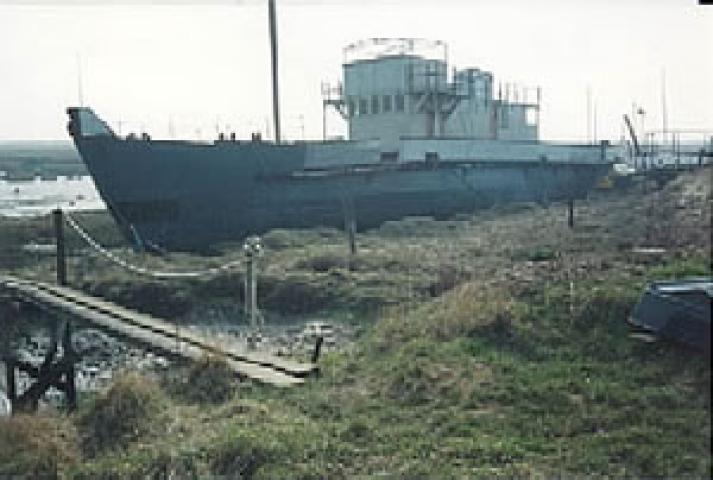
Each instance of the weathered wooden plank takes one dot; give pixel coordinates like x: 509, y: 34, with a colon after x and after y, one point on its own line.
x: 149, y: 331
x: 165, y: 328
x: 158, y: 341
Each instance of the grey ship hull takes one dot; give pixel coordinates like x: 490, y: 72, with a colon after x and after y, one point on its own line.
x: 182, y: 195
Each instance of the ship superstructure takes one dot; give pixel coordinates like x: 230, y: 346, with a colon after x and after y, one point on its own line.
x: 401, y: 88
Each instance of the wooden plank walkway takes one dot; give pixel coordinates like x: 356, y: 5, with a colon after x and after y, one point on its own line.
x: 153, y: 332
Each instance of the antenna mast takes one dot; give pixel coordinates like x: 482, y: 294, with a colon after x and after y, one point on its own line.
x: 80, y: 93
x: 273, y: 50
x: 664, y: 118
x: 589, y: 114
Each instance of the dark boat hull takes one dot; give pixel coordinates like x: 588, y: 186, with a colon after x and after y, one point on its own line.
x: 180, y: 195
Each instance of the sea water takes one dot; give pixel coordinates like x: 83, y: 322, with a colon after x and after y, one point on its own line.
x: 39, y: 197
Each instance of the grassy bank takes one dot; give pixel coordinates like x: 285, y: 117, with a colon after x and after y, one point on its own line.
x: 475, y: 383
x: 496, y: 347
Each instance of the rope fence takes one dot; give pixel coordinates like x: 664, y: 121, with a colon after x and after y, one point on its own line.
x: 142, y: 270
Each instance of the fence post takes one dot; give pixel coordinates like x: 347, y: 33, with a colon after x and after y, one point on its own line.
x: 59, y: 241
x: 350, y: 225
x: 10, y: 381
x: 351, y: 233
x: 252, y: 249
x: 317, y: 349
x: 69, y: 371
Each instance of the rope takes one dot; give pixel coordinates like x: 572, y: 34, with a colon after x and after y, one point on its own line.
x: 141, y: 270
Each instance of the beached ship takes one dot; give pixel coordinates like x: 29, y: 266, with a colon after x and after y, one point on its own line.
x: 422, y: 141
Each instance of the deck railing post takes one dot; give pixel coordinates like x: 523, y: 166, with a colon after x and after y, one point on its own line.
x: 570, y: 213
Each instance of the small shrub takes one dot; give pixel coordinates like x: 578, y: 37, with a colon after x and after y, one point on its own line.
x: 292, y: 294
x: 695, y: 266
x: 149, y: 296
x: 357, y: 431
x: 603, y: 307
x: 149, y: 461
x: 470, y: 308
x: 461, y: 312
x: 37, y: 446
x: 447, y: 277
x: 323, y: 263
x: 130, y: 409
x: 209, y: 380
x: 425, y: 371
x: 241, y: 453
x: 538, y: 254
x: 279, y: 239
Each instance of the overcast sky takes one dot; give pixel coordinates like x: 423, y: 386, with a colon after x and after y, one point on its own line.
x: 196, y: 65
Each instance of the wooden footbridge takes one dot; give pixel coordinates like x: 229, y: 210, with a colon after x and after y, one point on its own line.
x: 148, y: 331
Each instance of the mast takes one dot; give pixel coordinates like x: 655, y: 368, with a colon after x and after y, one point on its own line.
x: 80, y: 90
x: 589, y: 114
x: 664, y: 117
x: 273, y: 51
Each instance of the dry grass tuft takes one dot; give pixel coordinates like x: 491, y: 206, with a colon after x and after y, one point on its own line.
x: 130, y: 409
x: 37, y: 446
x: 459, y: 313
x: 209, y: 380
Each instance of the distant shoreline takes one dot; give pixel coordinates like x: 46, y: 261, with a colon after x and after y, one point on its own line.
x: 47, y: 159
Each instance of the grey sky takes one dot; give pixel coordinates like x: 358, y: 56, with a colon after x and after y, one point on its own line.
x: 195, y: 65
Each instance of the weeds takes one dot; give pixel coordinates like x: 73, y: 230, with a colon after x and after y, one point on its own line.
x: 130, y: 409
x: 37, y: 446
x: 209, y: 380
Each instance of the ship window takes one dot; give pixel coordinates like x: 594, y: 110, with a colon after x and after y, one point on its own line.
x: 531, y: 117
x: 386, y: 103
x: 350, y: 107
x: 363, y: 107
x: 504, y: 110
x: 374, y: 104
x: 399, y: 101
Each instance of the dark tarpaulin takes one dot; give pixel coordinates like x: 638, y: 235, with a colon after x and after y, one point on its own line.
x: 677, y: 310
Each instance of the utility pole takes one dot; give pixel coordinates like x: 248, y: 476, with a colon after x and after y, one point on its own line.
x: 275, y: 87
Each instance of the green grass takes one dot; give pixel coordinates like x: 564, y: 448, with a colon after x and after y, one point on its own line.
x: 466, y: 385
